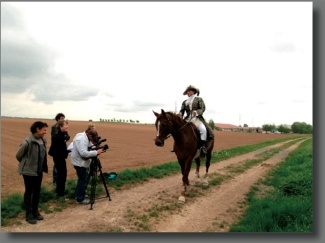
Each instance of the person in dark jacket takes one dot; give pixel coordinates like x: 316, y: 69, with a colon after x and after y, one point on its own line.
x: 58, y: 151
x: 32, y: 159
x: 54, y: 130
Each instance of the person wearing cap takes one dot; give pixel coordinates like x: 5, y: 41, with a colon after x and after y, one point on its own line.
x: 194, y: 107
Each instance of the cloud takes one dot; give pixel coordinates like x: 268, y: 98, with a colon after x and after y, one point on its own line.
x: 27, y: 66
x: 283, y: 47
x: 21, y: 57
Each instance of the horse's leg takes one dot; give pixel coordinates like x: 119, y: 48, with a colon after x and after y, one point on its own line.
x: 181, y: 198
x: 197, y: 172
x: 207, y: 164
x: 187, y: 168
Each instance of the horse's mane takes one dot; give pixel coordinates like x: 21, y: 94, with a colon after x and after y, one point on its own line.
x: 175, y: 117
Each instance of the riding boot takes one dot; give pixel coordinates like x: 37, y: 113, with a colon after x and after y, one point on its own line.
x: 29, y: 211
x: 203, y: 147
x: 209, y: 131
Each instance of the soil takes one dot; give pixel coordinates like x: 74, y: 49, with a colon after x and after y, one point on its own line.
x: 151, y: 206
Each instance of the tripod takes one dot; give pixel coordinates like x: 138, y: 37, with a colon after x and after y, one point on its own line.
x: 94, y: 168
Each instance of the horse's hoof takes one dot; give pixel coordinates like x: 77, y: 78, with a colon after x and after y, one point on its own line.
x: 181, y: 200
x: 205, y: 183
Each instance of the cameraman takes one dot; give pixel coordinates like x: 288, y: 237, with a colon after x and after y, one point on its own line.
x: 81, y: 159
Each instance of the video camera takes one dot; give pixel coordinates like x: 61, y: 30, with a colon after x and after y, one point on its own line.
x: 97, y: 144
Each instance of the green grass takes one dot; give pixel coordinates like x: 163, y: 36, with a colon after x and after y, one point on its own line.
x: 287, y: 205
x: 12, y: 205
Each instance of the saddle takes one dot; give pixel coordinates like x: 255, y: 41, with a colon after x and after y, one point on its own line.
x: 210, y: 134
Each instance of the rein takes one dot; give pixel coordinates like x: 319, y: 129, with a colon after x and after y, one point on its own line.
x: 172, y: 133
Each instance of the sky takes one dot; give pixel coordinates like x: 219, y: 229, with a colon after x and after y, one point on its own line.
x: 252, y: 61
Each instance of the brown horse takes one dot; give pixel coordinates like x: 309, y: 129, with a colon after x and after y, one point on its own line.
x: 186, y: 144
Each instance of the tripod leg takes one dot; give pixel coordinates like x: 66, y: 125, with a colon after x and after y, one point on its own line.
x: 93, y: 188
x: 104, y: 182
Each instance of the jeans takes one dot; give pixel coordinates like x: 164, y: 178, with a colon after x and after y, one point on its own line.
x: 82, y: 174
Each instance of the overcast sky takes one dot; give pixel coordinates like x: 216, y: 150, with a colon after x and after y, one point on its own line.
x: 252, y: 61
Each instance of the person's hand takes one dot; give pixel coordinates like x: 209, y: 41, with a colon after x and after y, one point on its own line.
x: 194, y: 113
x: 99, y: 151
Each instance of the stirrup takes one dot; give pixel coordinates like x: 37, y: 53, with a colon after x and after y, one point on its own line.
x: 203, y: 150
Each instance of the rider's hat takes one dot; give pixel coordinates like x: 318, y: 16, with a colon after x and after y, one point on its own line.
x: 191, y: 87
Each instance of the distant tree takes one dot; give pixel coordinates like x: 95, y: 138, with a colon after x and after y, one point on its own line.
x: 211, y: 124
x: 245, y: 125
x: 283, y: 128
x: 268, y: 127
x: 301, y: 128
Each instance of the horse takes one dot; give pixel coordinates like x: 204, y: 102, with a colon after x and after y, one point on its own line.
x: 186, y: 145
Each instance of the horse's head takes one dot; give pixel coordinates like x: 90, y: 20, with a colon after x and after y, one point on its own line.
x: 163, y: 126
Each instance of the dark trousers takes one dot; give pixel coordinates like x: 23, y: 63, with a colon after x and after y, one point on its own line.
x: 55, y: 174
x: 32, y: 193
x: 61, y: 168
x: 82, y: 174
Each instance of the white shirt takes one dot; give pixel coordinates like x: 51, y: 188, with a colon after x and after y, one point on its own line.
x: 80, y: 156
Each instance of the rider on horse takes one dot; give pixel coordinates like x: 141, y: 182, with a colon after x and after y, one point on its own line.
x: 194, y: 107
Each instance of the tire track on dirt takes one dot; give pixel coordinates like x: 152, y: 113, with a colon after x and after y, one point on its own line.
x: 194, y: 216
x: 221, y: 206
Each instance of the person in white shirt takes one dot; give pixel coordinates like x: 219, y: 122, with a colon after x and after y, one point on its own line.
x: 81, y: 159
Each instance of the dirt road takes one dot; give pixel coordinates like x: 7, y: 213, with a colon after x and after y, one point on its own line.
x: 152, y: 206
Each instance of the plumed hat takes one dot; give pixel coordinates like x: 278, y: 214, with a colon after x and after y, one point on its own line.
x: 191, y: 87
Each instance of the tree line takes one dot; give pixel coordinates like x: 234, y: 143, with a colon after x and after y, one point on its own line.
x: 296, y: 127
x: 119, y: 120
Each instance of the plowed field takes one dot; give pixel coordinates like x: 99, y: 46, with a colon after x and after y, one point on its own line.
x: 130, y: 146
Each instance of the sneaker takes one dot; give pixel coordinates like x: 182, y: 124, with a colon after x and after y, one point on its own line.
x: 86, y: 196
x: 38, y: 217
x: 31, y: 220
x: 84, y: 202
